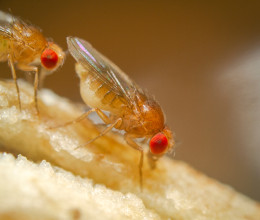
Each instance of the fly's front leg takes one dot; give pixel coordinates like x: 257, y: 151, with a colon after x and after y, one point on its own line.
x: 152, y: 159
x: 34, y: 69
x: 129, y: 139
x: 43, y: 74
x: 11, y: 64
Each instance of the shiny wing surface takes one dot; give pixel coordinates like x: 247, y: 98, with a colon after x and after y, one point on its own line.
x: 5, y: 24
x: 5, y: 17
x: 9, y: 30
x: 103, y: 68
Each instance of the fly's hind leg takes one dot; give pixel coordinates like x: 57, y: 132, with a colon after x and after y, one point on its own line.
x: 115, y: 124
x: 79, y: 119
x: 112, y: 124
x: 34, y: 69
x: 85, y: 115
x: 11, y: 64
x: 129, y: 139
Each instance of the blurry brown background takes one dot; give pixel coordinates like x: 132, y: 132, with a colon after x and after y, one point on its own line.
x: 194, y: 57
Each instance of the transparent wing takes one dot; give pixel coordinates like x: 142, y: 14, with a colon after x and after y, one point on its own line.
x: 5, y: 32
x: 5, y: 17
x: 103, y: 68
x: 5, y: 24
x: 9, y: 28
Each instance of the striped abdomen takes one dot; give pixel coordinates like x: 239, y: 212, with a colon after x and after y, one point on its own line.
x: 97, y: 94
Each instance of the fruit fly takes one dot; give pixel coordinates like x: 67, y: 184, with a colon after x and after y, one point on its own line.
x: 23, y: 46
x: 104, y: 87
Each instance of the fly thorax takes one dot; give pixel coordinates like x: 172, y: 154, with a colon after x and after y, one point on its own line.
x: 25, y: 55
x: 152, y: 116
x: 132, y: 123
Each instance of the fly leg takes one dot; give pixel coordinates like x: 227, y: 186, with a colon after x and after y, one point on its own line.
x: 152, y: 159
x: 107, y: 120
x: 42, y: 76
x: 129, y: 139
x: 11, y: 64
x: 27, y: 68
x: 79, y: 119
x: 85, y: 115
x: 115, y: 124
x: 102, y: 115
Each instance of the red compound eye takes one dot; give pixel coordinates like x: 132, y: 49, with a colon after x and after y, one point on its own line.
x: 158, y: 143
x: 49, y: 58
